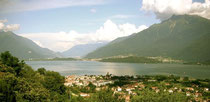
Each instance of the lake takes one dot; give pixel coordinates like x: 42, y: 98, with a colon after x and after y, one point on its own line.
x: 101, y: 68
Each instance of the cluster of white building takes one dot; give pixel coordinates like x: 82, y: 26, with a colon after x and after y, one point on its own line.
x: 85, y: 80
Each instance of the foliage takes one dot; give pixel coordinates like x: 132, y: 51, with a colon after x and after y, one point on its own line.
x: 54, y: 78
x: 131, y: 59
x: 151, y: 96
x: 99, y: 96
x: 88, y: 89
x: 55, y: 59
x: 41, y: 71
x: 19, y: 82
x: 7, y: 83
x: 10, y: 61
x: 105, y: 96
x: 33, y: 92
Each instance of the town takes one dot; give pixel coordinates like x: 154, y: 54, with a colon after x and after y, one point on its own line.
x: 131, y: 88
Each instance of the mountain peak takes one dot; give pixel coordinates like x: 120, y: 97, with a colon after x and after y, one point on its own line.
x: 184, y: 37
x: 185, y: 16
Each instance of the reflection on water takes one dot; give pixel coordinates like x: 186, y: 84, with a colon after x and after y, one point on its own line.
x: 101, y: 68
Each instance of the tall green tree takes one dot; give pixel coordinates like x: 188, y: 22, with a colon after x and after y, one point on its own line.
x: 11, y: 61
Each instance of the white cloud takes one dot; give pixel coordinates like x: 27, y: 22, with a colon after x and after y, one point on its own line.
x: 62, y: 41
x: 93, y: 10
x: 166, y: 8
x: 1, y: 26
x: 10, y: 27
x: 3, y: 21
x: 29, y: 5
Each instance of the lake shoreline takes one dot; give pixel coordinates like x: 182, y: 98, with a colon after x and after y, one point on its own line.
x: 190, y: 63
x: 101, y: 68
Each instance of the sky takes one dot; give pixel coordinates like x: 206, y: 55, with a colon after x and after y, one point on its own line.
x: 62, y: 24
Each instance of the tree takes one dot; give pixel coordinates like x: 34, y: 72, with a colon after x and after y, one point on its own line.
x: 42, y: 71
x: 54, y: 82
x: 8, y: 60
x: 33, y: 92
x: 186, y: 79
x: 105, y: 96
x: 92, y: 87
x: 7, y: 84
x: 148, y: 95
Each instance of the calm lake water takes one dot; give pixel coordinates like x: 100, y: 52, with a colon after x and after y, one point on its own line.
x: 101, y: 68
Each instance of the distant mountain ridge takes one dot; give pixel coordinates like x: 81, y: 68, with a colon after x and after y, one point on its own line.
x: 23, y: 48
x: 82, y: 50
x: 184, y: 37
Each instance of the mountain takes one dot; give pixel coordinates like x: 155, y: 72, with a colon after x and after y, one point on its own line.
x: 23, y: 48
x: 82, y: 50
x: 183, y: 37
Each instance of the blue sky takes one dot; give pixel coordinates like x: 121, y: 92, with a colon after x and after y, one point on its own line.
x: 80, y: 18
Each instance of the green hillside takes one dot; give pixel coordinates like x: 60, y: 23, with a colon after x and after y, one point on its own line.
x: 181, y: 37
x: 22, y: 47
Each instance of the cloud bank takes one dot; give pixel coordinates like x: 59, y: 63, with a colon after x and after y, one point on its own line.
x: 164, y: 9
x: 9, y: 27
x: 30, y: 5
x: 62, y: 41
